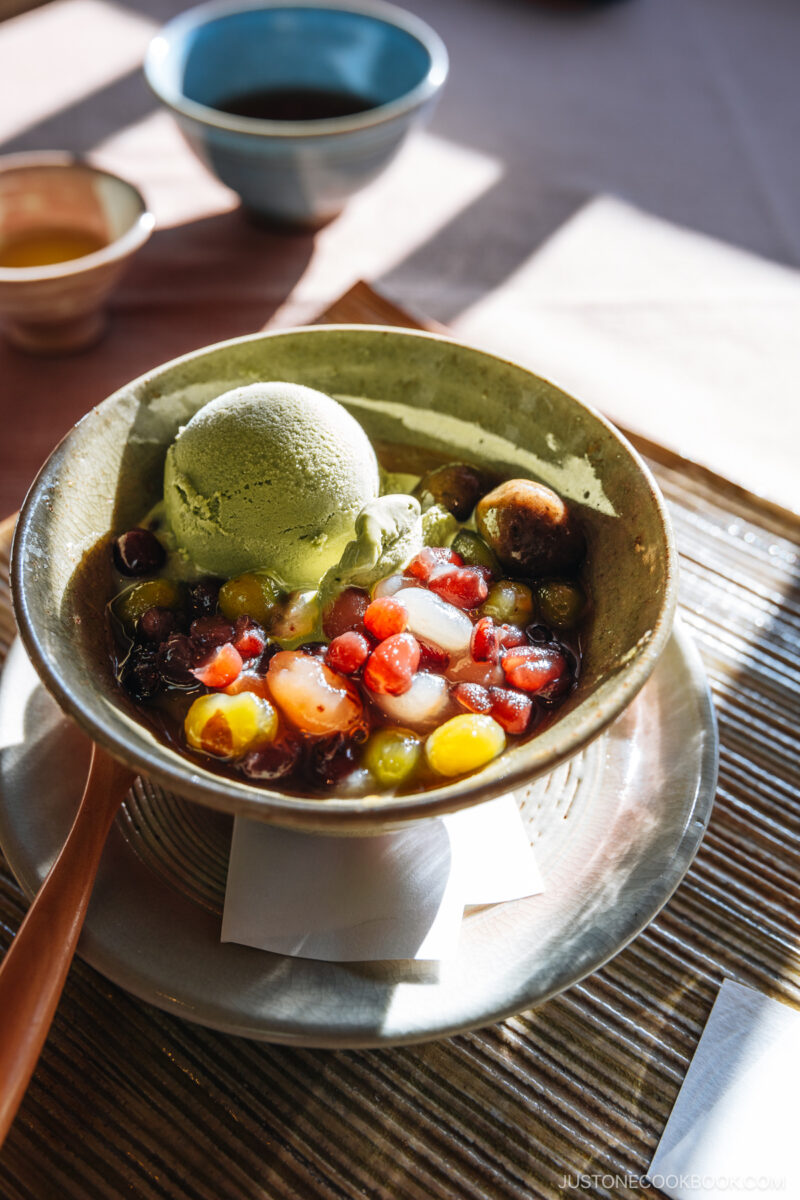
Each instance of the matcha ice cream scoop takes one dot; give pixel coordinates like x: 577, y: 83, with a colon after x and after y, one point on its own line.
x: 271, y: 475
x: 388, y: 532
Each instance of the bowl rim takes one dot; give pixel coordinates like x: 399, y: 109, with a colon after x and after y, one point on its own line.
x: 388, y: 14
x: 354, y: 814
x: 129, y: 241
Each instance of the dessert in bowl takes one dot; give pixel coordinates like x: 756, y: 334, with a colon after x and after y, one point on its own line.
x: 422, y: 402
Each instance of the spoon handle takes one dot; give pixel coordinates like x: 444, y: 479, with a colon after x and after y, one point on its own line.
x: 33, y: 972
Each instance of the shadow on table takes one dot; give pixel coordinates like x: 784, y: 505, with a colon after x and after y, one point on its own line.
x: 79, y: 127
x: 577, y: 100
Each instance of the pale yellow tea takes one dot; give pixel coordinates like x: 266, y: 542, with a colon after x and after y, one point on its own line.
x: 43, y: 247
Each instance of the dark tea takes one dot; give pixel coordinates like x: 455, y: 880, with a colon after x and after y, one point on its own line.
x: 294, y: 104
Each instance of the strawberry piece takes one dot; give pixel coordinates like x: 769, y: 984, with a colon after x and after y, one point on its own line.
x: 465, y: 587
x: 432, y: 658
x: 510, y: 708
x: 346, y: 612
x: 391, y: 666
x: 221, y: 668
x: 385, y: 617
x: 248, y: 637
x: 348, y: 652
x: 485, y: 641
x: 473, y: 697
x: 429, y: 558
x: 538, y: 669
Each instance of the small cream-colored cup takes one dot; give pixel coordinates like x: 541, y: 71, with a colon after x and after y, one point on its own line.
x: 60, y: 307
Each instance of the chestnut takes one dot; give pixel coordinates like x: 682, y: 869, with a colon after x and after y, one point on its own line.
x: 456, y: 486
x: 530, y: 529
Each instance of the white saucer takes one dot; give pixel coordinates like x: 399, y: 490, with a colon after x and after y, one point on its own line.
x: 615, y: 830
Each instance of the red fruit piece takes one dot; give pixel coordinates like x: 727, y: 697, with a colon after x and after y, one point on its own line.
x: 511, y: 636
x: 385, y: 617
x: 473, y: 697
x: 391, y: 666
x: 348, y: 652
x: 510, y: 708
x: 221, y: 668
x: 433, y: 658
x: 346, y: 612
x: 248, y: 637
x: 429, y: 558
x: 485, y: 642
x: 466, y: 587
x: 539, y: 669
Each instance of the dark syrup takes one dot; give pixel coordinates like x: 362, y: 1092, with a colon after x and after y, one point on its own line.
x: 294, y: 104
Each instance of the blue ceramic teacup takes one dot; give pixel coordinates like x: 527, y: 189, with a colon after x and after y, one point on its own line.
x: 262, y: 52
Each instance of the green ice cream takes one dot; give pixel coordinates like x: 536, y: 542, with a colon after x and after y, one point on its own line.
x: 271, y: 475
x: 388, y: 533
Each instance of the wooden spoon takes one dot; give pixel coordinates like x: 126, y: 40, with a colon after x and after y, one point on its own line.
x: 34, y: 970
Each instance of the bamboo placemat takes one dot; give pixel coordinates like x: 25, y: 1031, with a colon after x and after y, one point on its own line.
x: 130, y: 1102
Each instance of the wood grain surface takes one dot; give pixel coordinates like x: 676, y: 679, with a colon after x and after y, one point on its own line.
x: 128, y: 1101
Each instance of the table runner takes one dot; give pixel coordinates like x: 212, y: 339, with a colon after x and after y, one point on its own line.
x: 127, y: 1100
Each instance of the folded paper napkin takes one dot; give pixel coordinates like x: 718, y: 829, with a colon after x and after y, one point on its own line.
x: 400, y: 895
x: 733, y: 1128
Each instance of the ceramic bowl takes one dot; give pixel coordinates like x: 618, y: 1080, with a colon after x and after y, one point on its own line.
x: 406, y: 388
x: 54, y: 198
x: 297, y: 171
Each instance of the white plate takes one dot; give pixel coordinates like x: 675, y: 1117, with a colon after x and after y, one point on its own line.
x: 615, y: 830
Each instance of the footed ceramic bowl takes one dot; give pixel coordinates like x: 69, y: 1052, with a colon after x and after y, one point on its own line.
x: 407, y: 389
x: 53, y: 204
x: 296, y: 171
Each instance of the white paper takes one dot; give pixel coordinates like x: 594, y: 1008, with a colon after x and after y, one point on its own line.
x: 397, y: 896
x: 734, y: 1127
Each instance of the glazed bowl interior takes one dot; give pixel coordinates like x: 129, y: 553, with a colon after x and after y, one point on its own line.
x: 407, y: 389
x: 375, y: 51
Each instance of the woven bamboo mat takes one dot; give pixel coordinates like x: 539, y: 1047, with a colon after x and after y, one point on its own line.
x: 130, y: 1102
